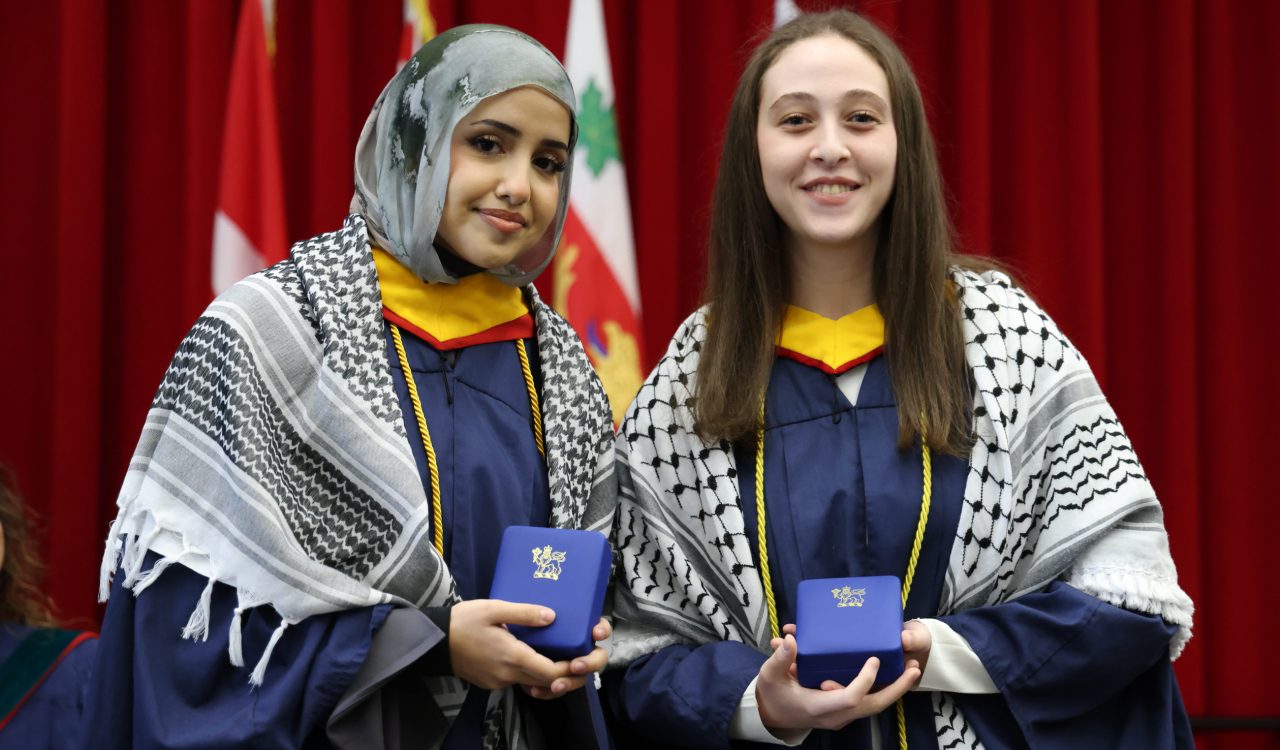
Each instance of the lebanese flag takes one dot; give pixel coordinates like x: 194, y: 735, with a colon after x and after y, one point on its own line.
x: 595, y: 285
x: 419, y: 27
x: 249, y: 225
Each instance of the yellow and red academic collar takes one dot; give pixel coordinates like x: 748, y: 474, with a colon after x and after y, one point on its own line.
x: 832, y: 346
x: 479, y: 309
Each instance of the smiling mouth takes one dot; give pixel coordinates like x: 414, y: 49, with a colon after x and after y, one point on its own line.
x: 498, y: 213
x: 830, y: 189
x: 503, y: 221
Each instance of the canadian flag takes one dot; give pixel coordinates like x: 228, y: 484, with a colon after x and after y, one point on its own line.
x: 249, y: 225
x: 595, y: 283
x: 419, y: 27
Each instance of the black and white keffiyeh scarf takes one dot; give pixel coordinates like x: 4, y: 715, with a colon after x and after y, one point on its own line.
x: 274, y: 457
x: 1054, y: 490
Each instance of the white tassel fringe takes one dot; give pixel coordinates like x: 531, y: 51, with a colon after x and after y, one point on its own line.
x: 260, y: 671
x: 197, y: 627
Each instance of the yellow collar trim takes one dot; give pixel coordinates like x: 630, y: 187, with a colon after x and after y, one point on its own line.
x: 834, y: 345
x: 447, y: 311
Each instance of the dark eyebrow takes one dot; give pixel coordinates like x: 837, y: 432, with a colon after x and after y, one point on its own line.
x: 807, y: 98
x: 514, y: 132
x: 794, y: 96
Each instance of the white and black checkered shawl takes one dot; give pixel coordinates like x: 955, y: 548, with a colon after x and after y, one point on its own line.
x: 1054, y: 491
x: 274, y: 458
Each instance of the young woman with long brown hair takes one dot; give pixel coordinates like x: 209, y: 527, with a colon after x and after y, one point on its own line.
x: 857, y: 399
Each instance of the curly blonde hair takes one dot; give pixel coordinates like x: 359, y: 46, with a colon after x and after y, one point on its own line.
x: 21, y: 570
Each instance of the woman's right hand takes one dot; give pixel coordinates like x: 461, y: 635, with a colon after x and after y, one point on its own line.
x: 785, y: 704
x: 484, y: 653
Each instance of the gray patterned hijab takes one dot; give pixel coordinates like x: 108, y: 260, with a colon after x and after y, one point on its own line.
x: 402, y: 157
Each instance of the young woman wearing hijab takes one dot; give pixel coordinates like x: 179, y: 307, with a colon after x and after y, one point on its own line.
x: 309, y: 527
x: 43, y: 668
x: 842, y: 334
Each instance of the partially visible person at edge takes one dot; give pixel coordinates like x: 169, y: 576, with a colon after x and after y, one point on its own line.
x: 309, y: 527
x: 44, y: 669
x: 842, y: 333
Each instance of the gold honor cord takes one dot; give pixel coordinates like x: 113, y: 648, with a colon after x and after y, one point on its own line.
x: 533, y: 396
x: 433, y: 470
x: 762, y: 545
x: 926, y: 461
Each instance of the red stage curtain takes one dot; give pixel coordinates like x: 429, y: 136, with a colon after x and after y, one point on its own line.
x: 1120, y: 155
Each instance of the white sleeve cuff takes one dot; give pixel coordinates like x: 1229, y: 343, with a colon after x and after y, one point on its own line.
x: 953, y: 667
x: 746, y: 723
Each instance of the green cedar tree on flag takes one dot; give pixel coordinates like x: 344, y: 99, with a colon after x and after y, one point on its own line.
x: 595, y: 283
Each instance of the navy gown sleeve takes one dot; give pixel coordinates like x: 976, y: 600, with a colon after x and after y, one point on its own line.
x: 682, y: 693
x: 153, y: 689
x: 1073, y: 671
x: 52, y: 718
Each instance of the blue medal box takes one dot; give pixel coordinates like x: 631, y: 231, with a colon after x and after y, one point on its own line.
x: 842, y: 622
x: 564, y: 569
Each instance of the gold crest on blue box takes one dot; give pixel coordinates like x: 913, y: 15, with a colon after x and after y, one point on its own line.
x: 849, y: 597
x: 548, y: 562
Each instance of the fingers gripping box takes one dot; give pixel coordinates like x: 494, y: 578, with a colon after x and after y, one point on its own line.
x: 842, y: 622
x: 564, y: 569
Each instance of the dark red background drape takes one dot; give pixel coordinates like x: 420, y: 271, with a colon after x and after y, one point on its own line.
x: 1121, y: 155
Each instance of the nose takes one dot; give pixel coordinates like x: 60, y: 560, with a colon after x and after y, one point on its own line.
x: 830, y: 146
x: 514, y: 185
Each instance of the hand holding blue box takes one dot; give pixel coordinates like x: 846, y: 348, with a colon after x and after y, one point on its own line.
x: 565, y: 570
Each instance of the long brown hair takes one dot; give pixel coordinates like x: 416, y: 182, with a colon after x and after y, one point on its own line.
x: 21, y: 599
x: 748, y: 280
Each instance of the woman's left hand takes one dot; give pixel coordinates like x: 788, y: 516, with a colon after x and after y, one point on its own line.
x: 581, y: 668
x: 916, y: 642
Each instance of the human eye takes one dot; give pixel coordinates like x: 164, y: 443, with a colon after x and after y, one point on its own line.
x: 486, y: 144
x: 549, y: 164
x: 864, y: 118
x: 794, y: 120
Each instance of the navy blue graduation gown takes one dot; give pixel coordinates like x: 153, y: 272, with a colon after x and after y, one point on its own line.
x: 52, y: 717
x: 153, y: 689
x: 842, y: 500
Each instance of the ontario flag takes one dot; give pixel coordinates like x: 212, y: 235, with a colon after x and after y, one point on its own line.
x: 419, y: 28
x: 595, y: 286
x: 249, y: 224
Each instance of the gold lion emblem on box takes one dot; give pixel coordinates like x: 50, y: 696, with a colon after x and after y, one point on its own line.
x: 847, y: 597
x: 548, y: 562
